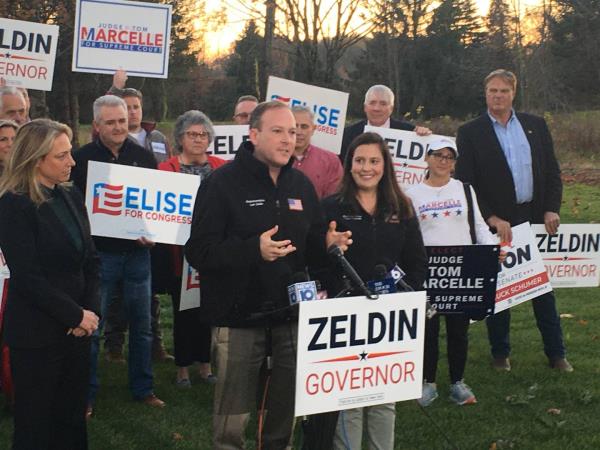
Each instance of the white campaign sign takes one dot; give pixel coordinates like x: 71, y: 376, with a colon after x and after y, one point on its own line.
x: 4, y: 276
x: 408, y: 152
x: 27, y: 53
x: 328, y: 105
x: 130, y: 202
x: 355, y: 352
x: 227, y: 140
x: 113, y: 34
x: 523, y: 275
x: 190, y: 287
x: 572, y: 256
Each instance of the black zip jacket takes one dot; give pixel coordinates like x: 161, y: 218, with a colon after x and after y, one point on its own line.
x: 375, y: 240
x: 234, y: 206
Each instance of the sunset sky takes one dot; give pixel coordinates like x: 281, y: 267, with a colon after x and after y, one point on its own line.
x: 219, y: 42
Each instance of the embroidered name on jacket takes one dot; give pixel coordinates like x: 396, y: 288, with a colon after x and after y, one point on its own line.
x: 256, y: 202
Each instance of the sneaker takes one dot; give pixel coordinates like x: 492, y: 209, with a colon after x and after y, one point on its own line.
x: 461, y: 394
x: 429, y: 394
x: 209, y: 379
x: 183, y: 383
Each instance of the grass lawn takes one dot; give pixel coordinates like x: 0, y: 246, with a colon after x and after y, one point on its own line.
x: 531, y: 407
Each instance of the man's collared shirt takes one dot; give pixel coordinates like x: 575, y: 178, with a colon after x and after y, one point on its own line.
x: 323, y: 168
x: 517, y: 151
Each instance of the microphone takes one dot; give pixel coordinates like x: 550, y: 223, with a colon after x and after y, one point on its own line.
x: 301, y: 289
x: 383, y: 282
x: 337, y: 253
x: 398, y: 274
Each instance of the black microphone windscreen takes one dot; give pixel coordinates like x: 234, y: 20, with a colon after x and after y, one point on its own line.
x: 334, y: 250
x: 380, y: 272
x: 387, y: 263
x: 299, y: 277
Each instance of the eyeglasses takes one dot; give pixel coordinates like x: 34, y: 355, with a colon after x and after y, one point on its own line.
x: 194, y: 135
x: 440, y: 157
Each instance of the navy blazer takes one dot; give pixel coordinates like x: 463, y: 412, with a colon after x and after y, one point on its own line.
x: 51, y: 281
x: 351, y: 131
x: 482, y: 163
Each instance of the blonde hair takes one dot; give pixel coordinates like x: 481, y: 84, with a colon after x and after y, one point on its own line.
x: 503, y: 74
x: 33, y: 142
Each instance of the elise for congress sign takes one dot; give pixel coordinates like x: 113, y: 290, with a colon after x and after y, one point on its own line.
x: 190, y: 287
x: 27, y: 53
x: 112, y: 34
x: 130, y: 202
x: 408, y: 152
x: 227, y: 140
x: 329, y: 107
x: 355, y: 352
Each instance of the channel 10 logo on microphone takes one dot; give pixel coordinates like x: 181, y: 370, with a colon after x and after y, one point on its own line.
x: 302, y: 292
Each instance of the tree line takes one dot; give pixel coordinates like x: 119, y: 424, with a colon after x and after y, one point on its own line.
x: 434, y: 55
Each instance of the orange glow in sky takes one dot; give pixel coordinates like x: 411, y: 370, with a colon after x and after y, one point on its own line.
x: 218, y: 43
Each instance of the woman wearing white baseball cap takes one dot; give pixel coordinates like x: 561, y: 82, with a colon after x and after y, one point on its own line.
x: 441, y: 203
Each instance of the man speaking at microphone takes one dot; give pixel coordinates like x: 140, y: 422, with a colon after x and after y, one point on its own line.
x: 257, y: 222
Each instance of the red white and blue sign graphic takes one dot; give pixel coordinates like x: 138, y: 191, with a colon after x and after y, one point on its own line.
x: 108, y: 199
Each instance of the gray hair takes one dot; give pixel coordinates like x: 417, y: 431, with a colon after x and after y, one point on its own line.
x: 186, y: 120
x: 9, y: 90
x: 380, y: 89
x: 107, y: 101
x: 246, y: 98
x: 8, y: 123
x: 304, y: 109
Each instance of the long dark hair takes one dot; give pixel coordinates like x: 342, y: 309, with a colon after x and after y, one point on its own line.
x: 390, y: 198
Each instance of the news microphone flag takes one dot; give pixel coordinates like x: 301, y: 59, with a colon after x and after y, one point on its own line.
x: 302, y: 292
x: 385, y: 286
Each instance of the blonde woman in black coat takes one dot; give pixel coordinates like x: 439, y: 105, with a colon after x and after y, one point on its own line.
x: 53, y: 299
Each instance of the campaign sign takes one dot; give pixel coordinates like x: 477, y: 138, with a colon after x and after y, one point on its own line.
x: 571, y: 256
x: 461, y: 279
x: 523, y: 275
x: 130, y: 202
x: 328, y: 105
x: 113, y: 34
x: 4, y: 276
x: 228, y: 139
x: 190, y: 287
x: 27, y: 53
x: 408, y: 152
x: 355, y: 352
